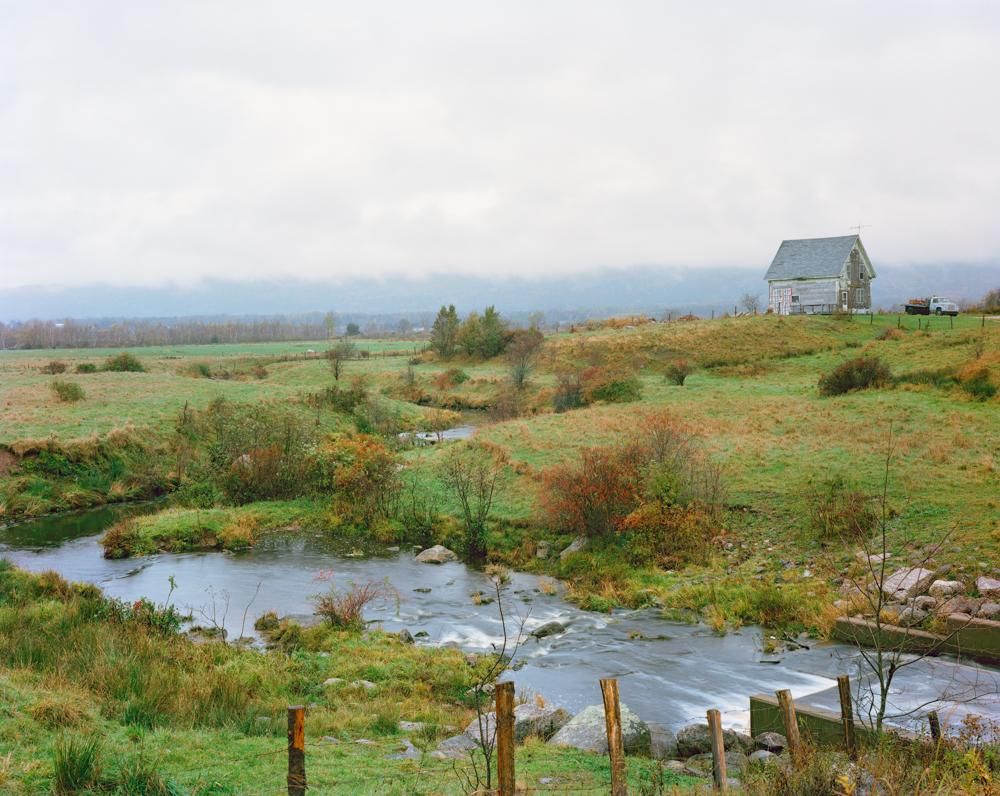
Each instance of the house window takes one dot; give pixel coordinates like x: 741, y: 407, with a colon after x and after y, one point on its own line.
x: 843, y: 297
x: 795, y: 299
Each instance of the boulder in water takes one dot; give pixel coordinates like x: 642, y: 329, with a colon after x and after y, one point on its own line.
x: 695, y: 739
x: 587, y: 731
x: 548, y: 629
x: 438, y: 554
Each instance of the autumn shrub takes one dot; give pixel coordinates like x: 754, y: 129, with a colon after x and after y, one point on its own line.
x: 592, y: 497
x: 861, y: 373
x: 676, y: 372
x: 569, y: 391
x: 53, y: 368
x: 610, y: 385
x: 242, y: 533
x: 125, y: 362
x: 344, y: 609
x: 839, y: 510
x: 86, y: 367
x: 67, y: 391
x: 976, y: 381
x: 668, y: 535
x: 366, y: 479
x: 339, y: 398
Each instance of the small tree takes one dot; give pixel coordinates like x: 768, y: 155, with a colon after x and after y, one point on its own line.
x: 472, y: 471
x: 444, y: 332
x: 522, y: 351
x: 353, y: 330
x: 330, y: 322
x: 676, y: 372
x: 338, y: 355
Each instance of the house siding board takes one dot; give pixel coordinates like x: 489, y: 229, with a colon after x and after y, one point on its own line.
x: 816, y: 293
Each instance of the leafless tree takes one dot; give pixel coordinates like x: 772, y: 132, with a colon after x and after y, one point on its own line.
x: 472, y: 471
x: 750, y: 302
x: 522, y: 351
x: 884, y: 649
x: 481, y: 781
x: 338, y: 355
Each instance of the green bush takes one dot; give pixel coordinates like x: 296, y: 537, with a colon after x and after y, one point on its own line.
x: 67, y: 391
x: 861, y: 373
x: 838, y: 510
x: 125, y: 362
x: 86, y: 367
x: 979, y: 386
x: 676, y: 372
x: 618, y: 391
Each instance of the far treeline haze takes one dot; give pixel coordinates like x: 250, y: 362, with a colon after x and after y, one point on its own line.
x: 214, y: 311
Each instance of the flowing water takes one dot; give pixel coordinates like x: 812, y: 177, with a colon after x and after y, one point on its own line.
x: 668, y: 672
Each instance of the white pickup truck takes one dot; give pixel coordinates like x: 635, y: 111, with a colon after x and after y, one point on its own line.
x: 936, y: 304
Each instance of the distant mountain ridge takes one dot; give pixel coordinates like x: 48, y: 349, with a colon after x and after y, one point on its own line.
x: 645, y: 289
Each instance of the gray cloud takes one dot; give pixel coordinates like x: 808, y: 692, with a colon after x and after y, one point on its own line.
x: 151, y: 143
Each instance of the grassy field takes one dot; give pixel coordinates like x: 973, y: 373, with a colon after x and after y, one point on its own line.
x: 751, y: 401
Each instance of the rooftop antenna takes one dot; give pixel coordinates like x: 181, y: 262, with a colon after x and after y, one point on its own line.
x: 859, y: 227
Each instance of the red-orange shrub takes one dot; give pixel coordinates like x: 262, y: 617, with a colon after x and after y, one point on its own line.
x: 366, y: 479
x: 668, y: 535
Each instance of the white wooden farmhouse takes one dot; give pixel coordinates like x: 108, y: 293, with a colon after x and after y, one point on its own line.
x: 820, y: 276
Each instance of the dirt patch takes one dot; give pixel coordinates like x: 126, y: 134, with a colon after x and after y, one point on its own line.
x: 8, y: 461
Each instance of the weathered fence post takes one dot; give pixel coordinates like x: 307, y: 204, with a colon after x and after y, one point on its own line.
x: 505, y: 738
x: 847, y: 714
x: 296, y: 750
x: 718, y: 749
x: 935, y: 722
x: 616, y: 748
x: 787, y: 707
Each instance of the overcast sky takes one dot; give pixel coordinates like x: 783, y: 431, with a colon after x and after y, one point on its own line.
x: 144, y: 143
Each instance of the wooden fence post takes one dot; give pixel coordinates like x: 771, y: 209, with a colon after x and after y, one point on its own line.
x: 616, y: 748
x: 935, y: 722
x: 718, y: 749
x: 505, y: 738
x: 296, y: 750
x: 847, y: 714
x: 787, y: 707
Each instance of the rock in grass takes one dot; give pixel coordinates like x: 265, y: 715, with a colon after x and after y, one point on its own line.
x: 989, y: 610
x: 773, y: 742
x: 456, y: 748
x: 762, y: 756
x: 578, y: 544
x: 529, y: 720
x: 438, y: 554
x: 911, y: 616
x: 908, y: 582
x: 407, y: 751
x: 662, y: 743
x: 988, y: 587
x: 695, y: 739
x: 588, y: 731
x: 405, y: 636
x: 946, y: 588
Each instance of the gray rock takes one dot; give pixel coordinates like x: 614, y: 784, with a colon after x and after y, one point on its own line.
x: 542, y: 550
x: 959, y: 604
x: 925, y: 603
x: 328, y: 739
x: 762, y: 756
x: 407, y: 751
x: 438, y: 554
x: 946, y: 588
x: 989, y: 610
x: 988, y: 587
x: 365, y: 742
x: 578, y: 544
x: 368, y: 685
x: 662, y: 743
x: 412, y: 726
x: 405, y: 636
x: 457, y: 747
x: 773, y: 742
x: 911, y: 615
x: 587, y: 731
x: 330, y: 681
x: 529, y: 720
x: 694, y: 739
x: 909, y: 582
x: 548, y: 629
x: 735, y: 762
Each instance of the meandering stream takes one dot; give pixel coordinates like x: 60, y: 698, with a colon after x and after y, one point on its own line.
x: 668, y: 672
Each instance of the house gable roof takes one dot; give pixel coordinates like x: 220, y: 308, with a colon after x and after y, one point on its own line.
x: 812, y: 258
